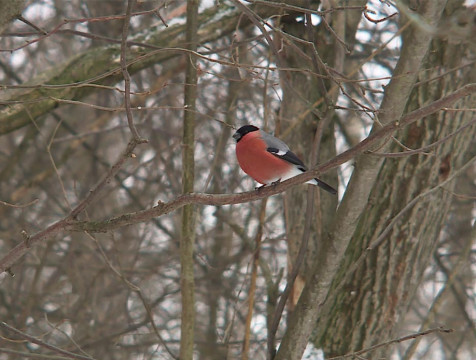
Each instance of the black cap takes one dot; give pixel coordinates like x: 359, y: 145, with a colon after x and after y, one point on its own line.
x: 242, y: 131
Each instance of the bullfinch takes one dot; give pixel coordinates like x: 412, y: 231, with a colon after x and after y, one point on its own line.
x: 268, y: 159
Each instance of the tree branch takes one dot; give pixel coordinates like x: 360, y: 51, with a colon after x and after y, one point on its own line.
x: 41, y: 343
x: 394, y: 341
x: 100, y: 65
x: 125, y: 72
x: 21, y: 249
x: 70, y: 224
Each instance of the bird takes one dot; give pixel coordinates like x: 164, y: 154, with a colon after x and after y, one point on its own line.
x: 267, y: 159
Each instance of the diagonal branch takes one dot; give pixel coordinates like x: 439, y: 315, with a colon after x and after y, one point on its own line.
x: 21, y: 249
x: 394, y: 341
x: 69, y: 223
x: 41, y: 343
x: 100, y: 65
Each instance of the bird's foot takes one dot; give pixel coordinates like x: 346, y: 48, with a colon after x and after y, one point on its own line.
x: 274, y: 183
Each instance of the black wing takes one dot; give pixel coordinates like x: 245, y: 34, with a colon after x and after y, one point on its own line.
x: 288, y: 156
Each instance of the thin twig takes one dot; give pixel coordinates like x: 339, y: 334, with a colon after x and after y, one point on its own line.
x: 136, y: 289
x: 17, y: 205
x: 420, y: 196
x: 70, y: 223
x: 53, y: 163
x: 375, y: 244
x: 407, y: 119
x: 393, y: 341
x: 57, y: 328
x: 255, y: 19
x: 284, y: 6
x: 441, y: 296
x: 21, y: 249
x: 57, y: 28
x: 425, y: 148
x: 23, y: 355
x: 94, y: 192
x: 41, y: 343
x: 331, y: 30
x: 29, y: 23
x: 376, y: 21
x: 125, y: 73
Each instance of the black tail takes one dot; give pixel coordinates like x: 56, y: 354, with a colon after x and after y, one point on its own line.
x: 325, y: 186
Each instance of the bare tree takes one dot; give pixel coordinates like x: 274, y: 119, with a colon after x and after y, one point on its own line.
x: 115, y: 115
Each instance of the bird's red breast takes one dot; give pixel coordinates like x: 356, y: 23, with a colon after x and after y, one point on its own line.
x: 258, y: 163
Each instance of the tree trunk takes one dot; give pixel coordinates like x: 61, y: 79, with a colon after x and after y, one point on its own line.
x: 187, y: 239
x: 356, y: 201
x: 368, y: 302
x: 307, y: 118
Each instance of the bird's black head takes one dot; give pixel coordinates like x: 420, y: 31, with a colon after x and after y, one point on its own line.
x: 242, y: 131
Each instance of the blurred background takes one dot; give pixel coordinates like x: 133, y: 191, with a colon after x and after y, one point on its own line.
x: 315, y: 74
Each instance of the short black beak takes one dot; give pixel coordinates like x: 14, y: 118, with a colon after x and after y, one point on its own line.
x: 237, y: 136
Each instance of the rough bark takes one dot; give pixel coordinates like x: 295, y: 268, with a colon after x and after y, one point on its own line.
x: 87, y: 262
x: 373, y: 297
x: 307, y: 117
x: 356, y: 197
x: 9, y: 11
x: 187, y: 239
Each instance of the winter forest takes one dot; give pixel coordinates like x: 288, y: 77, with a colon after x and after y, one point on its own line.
x: 129, y: 231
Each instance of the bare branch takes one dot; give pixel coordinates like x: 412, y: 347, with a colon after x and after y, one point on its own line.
x: 394, y: 341
x: 425, y: 148
x: 17, y: 205
x: 56, y: 29
x: 70, y: 224
x: 385, y: 131
x: 377, y: 242
x: 41, y: 343
x: 376, y: 21
x: 21, y: 249
x: 136, y: 289
x: 125, y: 73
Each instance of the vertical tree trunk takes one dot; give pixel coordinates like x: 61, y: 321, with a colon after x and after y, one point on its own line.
x: 299, y: 120
x: 222, y: 239
x: 353, y: 206
x: 188, y: 222
x: 369, y: 301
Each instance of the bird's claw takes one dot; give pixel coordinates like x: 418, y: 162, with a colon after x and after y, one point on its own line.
x: 274, y: 183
